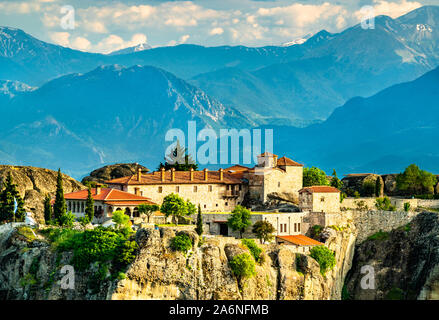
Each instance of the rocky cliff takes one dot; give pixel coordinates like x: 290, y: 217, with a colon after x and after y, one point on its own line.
x: 405, y: 262
x: 113, y: 171
x: 34, y: 183
x: 30, y: 269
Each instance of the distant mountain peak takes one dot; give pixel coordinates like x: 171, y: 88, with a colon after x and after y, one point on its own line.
x: 137, y: 48
x: 301, y: 40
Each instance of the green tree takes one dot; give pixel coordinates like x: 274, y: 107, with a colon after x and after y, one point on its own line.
x: 67, y: 219
x: 239, y: 220
x: 179, y: 159
x: 335, y: 181
x: 314, y: 177
x: 368, y: 188
x: 148, y: 209
x: 89, y: 206
x: 325, y: 258
x: 47, y: 209
x: 199, y: 228
x: 59, y: 207
x: 243, y: 266
x: 173, y: 205
x: 415, y: 181
x: 121, y: 220
x: 182, y: 243
x: 263, y: 230
x: 11, y: 203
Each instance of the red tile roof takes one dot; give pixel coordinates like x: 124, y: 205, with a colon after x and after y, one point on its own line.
x: 300, y: 240
x: 108, y: 195
x: 267, y: 154
x: 319, y: 189
x: 180, y: 178
x: 284, y: 161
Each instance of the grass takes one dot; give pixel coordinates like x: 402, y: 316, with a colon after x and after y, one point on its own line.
x: 379, y: 236
x: 27, y: 233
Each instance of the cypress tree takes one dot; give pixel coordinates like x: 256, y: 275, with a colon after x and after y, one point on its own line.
x: 199, y: 228
x: 59, y: 207
x: 8, y: 197
x: 47, y: 209
x: 378, y: 187
x: 89, y: 206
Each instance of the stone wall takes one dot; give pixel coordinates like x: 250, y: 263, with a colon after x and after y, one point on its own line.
x: 428, y: 203
x: 369, y: 203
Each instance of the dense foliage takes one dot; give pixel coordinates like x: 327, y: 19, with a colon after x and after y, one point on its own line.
x: 254, y: 249
x: 199, y: 227
x: 173, y: 205
x: 182, y: 243
x: 325, y: 258
x: 384, y: 204
x: 89, y: 206
x: 239, y: 219
x: 416, y: 181
x: 335, y: 181
x: 121, y: 220
x: 59, y: 207
x: 47, y: 209
x: 263, y: 230
x: 314, y: 177
x: 243, y: 266
x: 178, y: 159
x: 11, y: 203
x: 148, y: 209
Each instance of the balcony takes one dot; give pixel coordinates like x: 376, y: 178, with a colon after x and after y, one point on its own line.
x: 231, y: 194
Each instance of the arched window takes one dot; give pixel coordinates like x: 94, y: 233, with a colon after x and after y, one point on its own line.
x: 136, y: 212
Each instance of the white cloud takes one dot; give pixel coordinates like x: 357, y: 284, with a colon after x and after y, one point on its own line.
x: 61, y: 38
x: 81, y: 43
x: 391, y: 9
x: 114, y: 42
x: 216, y: 31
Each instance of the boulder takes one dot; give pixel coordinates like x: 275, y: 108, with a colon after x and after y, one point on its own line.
x: 114, y: 171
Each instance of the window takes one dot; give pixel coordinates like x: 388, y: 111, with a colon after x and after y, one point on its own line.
x: 160, y: 189
x: 278, y: 184
x: 298, y: 227
x: 205, y: 206
x: 227, y: 203
x: 216, y: 205
x: 195, y: 188
x: 295, y: 227
x: 322, y: 199
x: 210, y: 188
x: 177, y: 189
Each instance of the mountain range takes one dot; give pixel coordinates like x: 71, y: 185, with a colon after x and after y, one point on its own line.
x: 77, y: 110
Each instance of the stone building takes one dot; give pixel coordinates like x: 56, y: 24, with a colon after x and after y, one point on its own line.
x: 271, y: 178
x: 212, y: 190
x: 320, y: 199
x: 106, y: 201
x: 285, y: 223
x: 220, y: 190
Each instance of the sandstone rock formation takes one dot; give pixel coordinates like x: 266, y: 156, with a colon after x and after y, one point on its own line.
x: 31, y: 270
x: 114, y: 171
x: 34, y: 183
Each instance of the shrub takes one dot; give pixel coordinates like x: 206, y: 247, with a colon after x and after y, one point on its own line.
x: 356, y: 194
x: 384, y: 204
x: 181, y: 243
x: 380, y: 236
x: 406, y: 206
x: 263, y: 230
x: 254, y: 249
x: 325, y: 258
x: 121, y: 219
x: 67, y: 219
x: 316, y: 231
x: 395, y: 294
x: 369, y: 188
x: 243, y: 266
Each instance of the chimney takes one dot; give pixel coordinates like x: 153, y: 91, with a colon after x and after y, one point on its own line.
x: 192, y: 174
x: 221, y: 174
x: 206, y: 174
x: 139, y: 174
x: 172, y: 174
x: 162, y: 174
x: 98, y: 189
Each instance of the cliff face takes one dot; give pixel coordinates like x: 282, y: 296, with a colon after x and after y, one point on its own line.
x: 34, y: 183
x: 405, y: 262
x: 29, y: 269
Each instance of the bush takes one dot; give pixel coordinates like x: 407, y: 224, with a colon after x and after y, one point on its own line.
x: 325, y: 258
x: 243, y: 266
x: 384, y: 204
x: 380, y: 236
x: 406, y: 206
x: 369, y: 188
x: 67, y: 219
x: 181, y: 243
x: 395, y: 294
x: 316, y: 230
x: 254, y: 249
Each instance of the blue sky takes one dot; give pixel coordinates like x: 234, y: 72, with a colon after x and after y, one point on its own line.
x: 105, y: 26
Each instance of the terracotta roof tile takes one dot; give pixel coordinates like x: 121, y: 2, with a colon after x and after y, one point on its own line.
x: 300, y: 240
x: 319, y: 189
x: 267, y: 154
x: 284, y: 161
x: 180, y: 178
x: 107, y: 195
